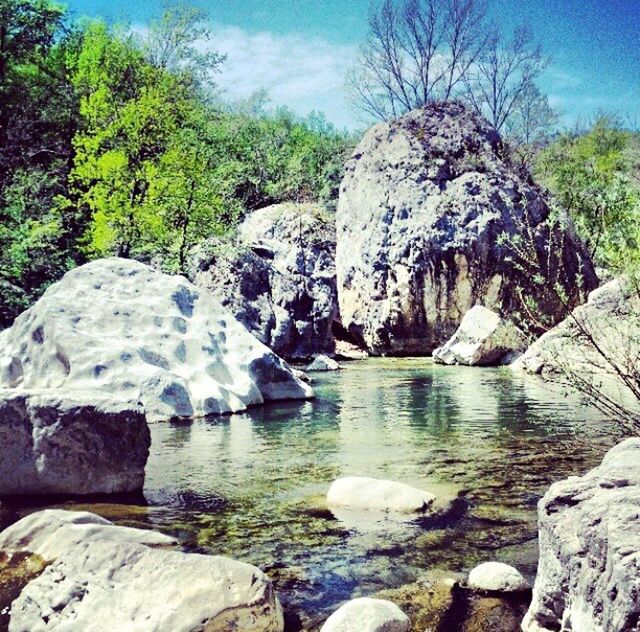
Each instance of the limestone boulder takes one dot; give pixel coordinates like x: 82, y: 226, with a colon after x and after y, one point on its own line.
x: 52, y: 533
x: 432, y: 219
x: 323, y: 363
x: 483, y: 338
x: 373, y: 494
x: 117, y: 326
x: 75, y: 443
x: 588, y: 576
x: 497, y: 577
x: 278, y: 278
x: 367, y: 615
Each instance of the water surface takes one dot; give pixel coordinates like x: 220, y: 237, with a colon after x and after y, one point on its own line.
x: 252, y: 486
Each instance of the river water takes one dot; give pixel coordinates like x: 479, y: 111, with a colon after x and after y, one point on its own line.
x: 252, y: 486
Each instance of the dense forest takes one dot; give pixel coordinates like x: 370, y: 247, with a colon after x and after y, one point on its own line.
x: 114, y: 142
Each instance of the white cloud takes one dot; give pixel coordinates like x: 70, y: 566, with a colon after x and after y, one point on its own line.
x: 304, y: 73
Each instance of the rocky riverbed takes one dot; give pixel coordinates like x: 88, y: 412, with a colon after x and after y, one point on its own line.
x: 252, y: 486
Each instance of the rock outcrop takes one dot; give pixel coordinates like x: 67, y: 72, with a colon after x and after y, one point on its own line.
x: 373, y: 494
x: 483, y: 339
x: 433, y: 219
x: 71, y: 444
x: 589, y: 570
x: 278, y: 278
x: 323, y: 363
x: 497, y: 577
x: 101, y: 577
x: 607, y: 321
x: 117, y: 326
x: 367, y: 615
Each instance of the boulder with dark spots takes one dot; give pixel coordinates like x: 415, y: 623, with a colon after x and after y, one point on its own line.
x: 278, y: 278
x: 430, y: 221
x: 119, y: 328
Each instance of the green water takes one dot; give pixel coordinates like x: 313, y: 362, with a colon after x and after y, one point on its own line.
x: 252, y: 486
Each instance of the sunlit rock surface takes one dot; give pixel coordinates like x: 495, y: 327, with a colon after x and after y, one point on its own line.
x: 107, y: 577
x: 423, y: 207
x: 367, y: 615
x: 71, y: 443
x: 278, y: 278
x: 483, y: 338
x: 372, y: 494
x: 323, y: 363
x: 589, y: 570
x: 117, y: 326
x: 497, y: 577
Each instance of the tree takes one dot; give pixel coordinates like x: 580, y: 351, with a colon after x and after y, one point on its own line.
x: 531, y: 125
x: 175, y: 43
x: 417, y: 51
x: 503, y: 74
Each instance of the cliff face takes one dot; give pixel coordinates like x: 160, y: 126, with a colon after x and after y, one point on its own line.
x: 433, y: 219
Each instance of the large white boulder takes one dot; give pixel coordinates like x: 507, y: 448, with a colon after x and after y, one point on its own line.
x: 497, y: 577
x: 71, y: 443
x: 111, y: 578
x: 52, y: 533
x: 120, y: 327
x: 122, y: 586
x: 483, y: 338
x: 589, y: 539
x: 433, y: 218
x: 367, y: 615
x: 373, y: 494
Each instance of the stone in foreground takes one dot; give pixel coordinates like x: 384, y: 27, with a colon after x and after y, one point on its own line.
x: 589, y: 536
x: 484, y: 338
x: 127, y: 586
x: 367, y: 615
x: 372, y: 494
x: 497, y: 577
x: 52, y: 533
x: 323, y: 363
x: 117, y: 326
x: 72, y: 444
x: 432, y: 220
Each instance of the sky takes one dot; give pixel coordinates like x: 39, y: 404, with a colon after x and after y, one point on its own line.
x: 300, y: 50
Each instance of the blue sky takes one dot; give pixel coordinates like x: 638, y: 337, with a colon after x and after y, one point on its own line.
x: 300, y: 50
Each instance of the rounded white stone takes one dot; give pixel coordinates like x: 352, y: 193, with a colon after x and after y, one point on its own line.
x: 367, y: 615
x: 498, y: 577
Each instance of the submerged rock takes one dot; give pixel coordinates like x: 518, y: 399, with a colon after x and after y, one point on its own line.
x: 278, y: 278
x: 116, y: 326
x: 71, y: 443
x: 483, y: 338
x: 423, y: 208
x: 323, y: 363
x: 589, y: 569
x: 372, y: 494
x: 52, y: 533
x: 497, y: 577
x: 106, y: 577
x: 367, y: 615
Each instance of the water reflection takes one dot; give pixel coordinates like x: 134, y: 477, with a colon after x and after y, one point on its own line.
x: 252, y: 485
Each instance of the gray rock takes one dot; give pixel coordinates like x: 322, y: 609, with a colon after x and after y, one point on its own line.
x: 483, y: 338
x: 106, y: 577
x: 72, y: 444
x: 589, y: 569
x: 366, y: 614
x: 323, y: 363
x: 497, y: 577
x: 117, y: 327
x: 422, y: 208
x: 278, y: 278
